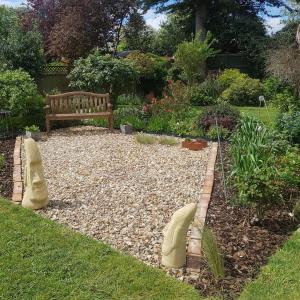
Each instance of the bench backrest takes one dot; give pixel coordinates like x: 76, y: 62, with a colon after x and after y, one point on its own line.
x: 77, y: 103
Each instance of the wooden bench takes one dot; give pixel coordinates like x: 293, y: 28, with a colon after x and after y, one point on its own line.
x: 78, y: 106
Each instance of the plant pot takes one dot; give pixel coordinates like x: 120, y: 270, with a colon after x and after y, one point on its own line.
x: 34, y: 135
x: 194, y: 145
x: 126, y: 129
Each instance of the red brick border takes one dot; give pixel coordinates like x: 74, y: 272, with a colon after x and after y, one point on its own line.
x: 194, y: 247
x: 17, y: 172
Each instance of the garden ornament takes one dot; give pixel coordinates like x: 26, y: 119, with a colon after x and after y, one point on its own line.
x: 36, y: 192
x: 174, y: 244
x: 298, y: 36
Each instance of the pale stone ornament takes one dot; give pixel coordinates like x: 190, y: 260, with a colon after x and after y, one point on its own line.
x: 36, y: 191
x: 174, y: 244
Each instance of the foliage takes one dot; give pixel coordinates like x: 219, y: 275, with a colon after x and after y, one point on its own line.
x: 152, y: 70
x: 254, y: 172
x: 226, y: 116
x: 127, y: 99
x: 145, y: 139
x: 164, y: 140
x: 130, y: 114
x: 2, y: 160
x: 20, y: 48
x: 289, y: 123
x: 216, y: 132
x: 32, y: 128
x: 190, y: 56
x: 159, y: 123
x: 239, y: 88
x: 285, y: 101
x: 71, y: 29
x: 137, y: 34
x: 67, y: 261
x: 296, y: 211
x: 18, y: 93
x: 205, y: 93
x: 212, y: 253
x: 98, y: 73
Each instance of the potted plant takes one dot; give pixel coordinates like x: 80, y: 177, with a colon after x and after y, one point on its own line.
x: 194, y: 145
x: 33, y: 132
x: 126, y: 128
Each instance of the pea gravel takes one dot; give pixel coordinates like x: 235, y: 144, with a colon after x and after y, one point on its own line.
x: 111, y: 188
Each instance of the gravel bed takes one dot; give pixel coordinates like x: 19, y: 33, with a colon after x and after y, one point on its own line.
x: 111, y: 188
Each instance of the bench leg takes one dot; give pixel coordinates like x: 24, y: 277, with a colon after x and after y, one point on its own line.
x: 110, y: 123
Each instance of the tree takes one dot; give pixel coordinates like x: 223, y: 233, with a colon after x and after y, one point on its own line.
x: 19, y: 48
x: 87, y: 24
x: 138, y: 35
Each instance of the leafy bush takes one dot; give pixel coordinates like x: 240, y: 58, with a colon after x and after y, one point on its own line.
x: 205, y: 93
x: 239, y: 88
x: 98, y: 73
x: 159, y: 123
x: 226, y: 116
x: 32, y: 128
x: 254, y: 170
x: 212, y: 253
x: 289, y: 123
x: 217, y: 131
x: 285, y: 101
x: 130, y: 114
x: 129, y: 100
x: 191, y: 55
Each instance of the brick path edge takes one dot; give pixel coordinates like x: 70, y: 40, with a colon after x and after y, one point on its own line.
x: 17, y: 172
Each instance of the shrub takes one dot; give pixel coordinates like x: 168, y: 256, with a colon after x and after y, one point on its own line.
x: 32, y: 128
x: 152, y: 69
x: 289, y: 123
x: 254, y: 168
x: 212, y: 253
x: 100, y: 74
x: 130, y: 114
x: 190, y: 56
x: 229, y: 76
x: 285, y: 101
x: 145, y: 139
x: 205, y: 93
x: 159, y: 123
x: 226, y: 116
x: 243, y: 91
x: 215, y: 132
x: 129, y: 100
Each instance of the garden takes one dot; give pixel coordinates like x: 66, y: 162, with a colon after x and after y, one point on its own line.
x: 143, y: 124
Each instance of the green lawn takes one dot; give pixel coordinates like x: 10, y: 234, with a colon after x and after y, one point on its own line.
x: 40, y: 259
x: 280, y: 278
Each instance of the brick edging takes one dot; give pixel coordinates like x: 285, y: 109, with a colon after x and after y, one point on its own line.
x: 194, y: 246
x: 17, y: 172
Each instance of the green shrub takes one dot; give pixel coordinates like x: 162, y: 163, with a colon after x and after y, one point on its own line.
x: 215, y: 132
x: 129, y: 100
x: 226, y: 116
x: 289, y: 123
x: 130, y: 114
x: 145, y: 139
x: 212, y: 253
x: 2, y: 160
x: 239, y: 88
x: 159, y: 123
x: 254, y: 166
x: 285, y: 101
x: 32, y: 128
x: 205, y: 93
x: 272, y: 86
x: 243, y: 91
x: 98, y: 73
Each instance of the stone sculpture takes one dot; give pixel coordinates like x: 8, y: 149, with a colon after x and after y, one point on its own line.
x: 36, y: 192
x: 298, y: 36
x: 174, y: 244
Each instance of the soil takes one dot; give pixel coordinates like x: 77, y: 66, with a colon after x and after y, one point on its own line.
x: 6, y: 172
x: 244, y: 242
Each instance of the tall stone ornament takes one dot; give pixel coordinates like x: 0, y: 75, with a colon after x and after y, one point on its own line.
x: 298, y: 36
x: 174, y: 244
x: 36, y: 192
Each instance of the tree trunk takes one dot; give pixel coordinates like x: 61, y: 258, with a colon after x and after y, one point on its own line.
x: 201, y: 15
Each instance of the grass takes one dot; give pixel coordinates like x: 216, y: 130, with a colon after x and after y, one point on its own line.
x: 169, y: 141
x: 266, y: 115
x: 44, y: 260
x: 145, y: 139
x: 280, y: 278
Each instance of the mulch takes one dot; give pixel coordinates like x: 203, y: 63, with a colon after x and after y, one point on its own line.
x: 245, y: 243
x: 6, y: 172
